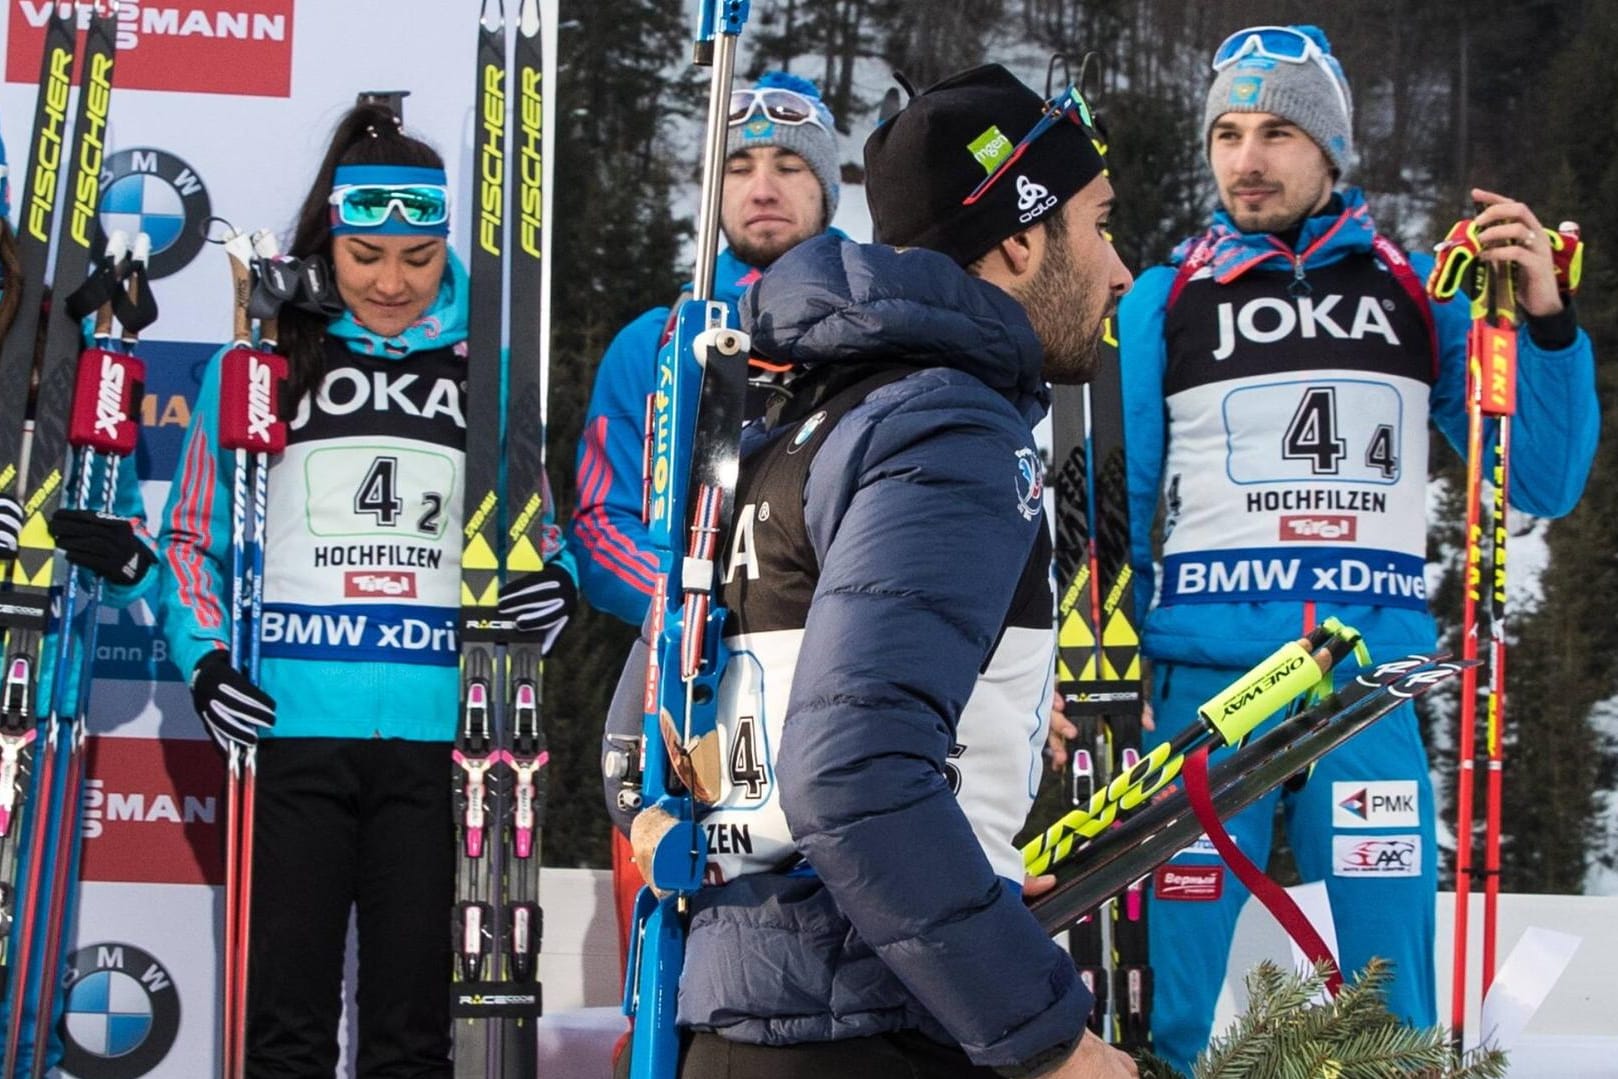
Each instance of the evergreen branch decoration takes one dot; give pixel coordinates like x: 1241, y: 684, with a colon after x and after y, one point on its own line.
x: 1286, y: 1033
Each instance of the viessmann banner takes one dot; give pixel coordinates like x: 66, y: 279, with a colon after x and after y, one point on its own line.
x: 221, y: 109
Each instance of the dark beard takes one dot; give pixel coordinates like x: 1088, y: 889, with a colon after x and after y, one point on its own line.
x: 1057, y: 302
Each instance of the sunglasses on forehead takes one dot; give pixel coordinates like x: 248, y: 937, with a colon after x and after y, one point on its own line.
x: 368, y: 205
x: 781, y: 106
x: 1284, y: 45
x: 1068, y: 105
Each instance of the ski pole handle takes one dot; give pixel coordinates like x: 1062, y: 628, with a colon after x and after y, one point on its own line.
x: 239, y: 248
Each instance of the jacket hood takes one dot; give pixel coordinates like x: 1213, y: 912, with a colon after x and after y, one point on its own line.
x: 444, y: 323
x: 831, y: 301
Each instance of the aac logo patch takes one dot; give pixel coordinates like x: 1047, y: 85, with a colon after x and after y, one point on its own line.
x: 122, y: 1013
x: 1376, y: 856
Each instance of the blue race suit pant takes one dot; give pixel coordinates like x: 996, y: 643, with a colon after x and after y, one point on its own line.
x: 1354, y: 824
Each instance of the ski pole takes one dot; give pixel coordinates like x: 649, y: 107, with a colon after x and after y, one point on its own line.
x: 1224, y: 720
x: 102, y: 429
x: 250, y: 427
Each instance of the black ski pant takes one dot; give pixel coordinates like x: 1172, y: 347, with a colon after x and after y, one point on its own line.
x: 340, y: 824
x: 905, y: 1054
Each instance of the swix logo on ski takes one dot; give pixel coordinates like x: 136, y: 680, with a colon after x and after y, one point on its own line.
x: 1268, y: 319
x: 1189, y: 883
x: 1376, y: 856
x: 1317, y: 529
x: 1383, y: 803
x: 151, y: 810
x: 205, y: 46
x: 1032, y: 199
x: 122, y: 1012
x: 1383, y: 578
x: 369, y: 633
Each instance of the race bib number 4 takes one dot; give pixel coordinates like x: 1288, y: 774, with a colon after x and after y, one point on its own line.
x: 397, y: 492
x: 1338, y: 429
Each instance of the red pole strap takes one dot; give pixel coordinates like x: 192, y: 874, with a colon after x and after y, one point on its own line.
x: 1272, y: 895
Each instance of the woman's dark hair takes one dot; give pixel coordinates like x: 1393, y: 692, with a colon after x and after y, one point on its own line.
x: 366, y: 135
x: 10, y: 278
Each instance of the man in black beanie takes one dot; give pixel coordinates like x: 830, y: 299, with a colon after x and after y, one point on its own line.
x: 888, y: 599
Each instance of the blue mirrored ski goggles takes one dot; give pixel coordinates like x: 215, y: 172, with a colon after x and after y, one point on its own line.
x: 369, y: 206
x: 1285, y: 45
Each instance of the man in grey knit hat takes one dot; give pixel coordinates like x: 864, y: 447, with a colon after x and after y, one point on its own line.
x: 780, y: 188
x: 1279, y: 377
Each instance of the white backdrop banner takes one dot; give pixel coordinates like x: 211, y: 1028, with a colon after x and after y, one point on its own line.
x: 220, y: 108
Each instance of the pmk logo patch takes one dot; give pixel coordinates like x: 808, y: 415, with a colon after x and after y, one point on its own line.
x: 1383, y: 803
x: 1030, y: 483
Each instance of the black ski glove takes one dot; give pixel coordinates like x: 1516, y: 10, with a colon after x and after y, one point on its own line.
x: 10, y: 526
x: 540, y: 603
x: 232, y: 708
x: 103, y: 543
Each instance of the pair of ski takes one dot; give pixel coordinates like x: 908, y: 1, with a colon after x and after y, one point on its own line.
x: 500, y: 754
x: 1099, y: 671
x: 83, y: 422
x: 1140, y: 833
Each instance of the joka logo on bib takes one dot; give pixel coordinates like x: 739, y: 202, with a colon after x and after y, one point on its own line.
x: 1269, y: 319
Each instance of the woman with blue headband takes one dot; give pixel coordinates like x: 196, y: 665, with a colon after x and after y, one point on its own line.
x: 359, y: 684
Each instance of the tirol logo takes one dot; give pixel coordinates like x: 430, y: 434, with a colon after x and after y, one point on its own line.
x: 379, y: 583
x: 154, y: 192
x: 122, y: 1012
x: 1268, y: 319
x: 1318, y: 528
x: 990, y: 148
x: 1376, y: 856
x: 1378, y: 803
x: 1033, y: 199
x: 1189, y: 883
x: 200, y: 47
x: 1030, y: 483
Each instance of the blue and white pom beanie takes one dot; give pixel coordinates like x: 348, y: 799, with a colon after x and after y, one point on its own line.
x: 1298, y: 92
x: 815, y: 143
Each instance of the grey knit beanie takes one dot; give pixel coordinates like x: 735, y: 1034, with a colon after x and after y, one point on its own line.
x: 816, y: 143
x: 1312, y: 94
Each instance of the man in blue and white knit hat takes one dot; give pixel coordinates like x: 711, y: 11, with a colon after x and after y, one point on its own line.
x: 780, y: 188
x: 1280, y: 375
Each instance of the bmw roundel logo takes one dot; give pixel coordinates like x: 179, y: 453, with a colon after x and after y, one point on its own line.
x: 122, y: 1012
x: 152, y: 191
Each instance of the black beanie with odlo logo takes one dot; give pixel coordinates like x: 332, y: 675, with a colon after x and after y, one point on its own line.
x: 921, y: 163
